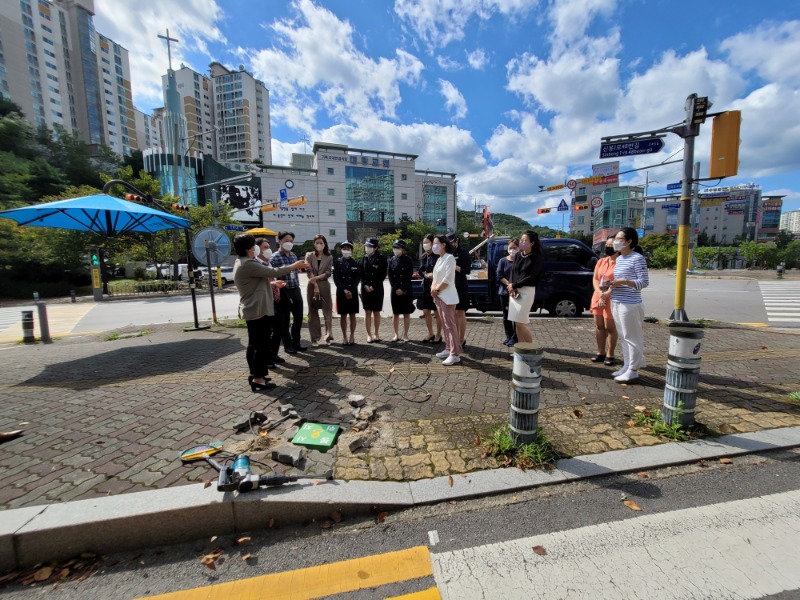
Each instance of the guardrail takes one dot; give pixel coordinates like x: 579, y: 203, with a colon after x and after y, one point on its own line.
x: 129, y: 289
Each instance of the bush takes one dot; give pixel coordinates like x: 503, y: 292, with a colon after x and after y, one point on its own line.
x: 664, y: 257
x: 139, y: 273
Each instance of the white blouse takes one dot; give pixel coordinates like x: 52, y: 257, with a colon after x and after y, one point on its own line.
x: 445, y: 271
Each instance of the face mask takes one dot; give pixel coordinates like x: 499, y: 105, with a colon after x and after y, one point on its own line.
x: 524, y: 246
x: 347, y: 253
x: 619, y: 245
x: 437, y: 248
x: 319, y: 247
x: 397, y: 252
x: 513, y: 251
x: 369, y: 250
x: 287, y: 246
x: 426, y: 247
x: 610, y: 251
x: 267, y: 254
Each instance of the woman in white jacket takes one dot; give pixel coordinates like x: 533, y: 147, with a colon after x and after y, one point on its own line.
x: 445, y: 296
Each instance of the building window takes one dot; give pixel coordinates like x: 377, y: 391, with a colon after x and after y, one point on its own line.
x: 332, y: 233
x: 331, y: 212
x: 403, y: 177
x: 330, y: 170
x: 331, y: 192
x: 404, y: 196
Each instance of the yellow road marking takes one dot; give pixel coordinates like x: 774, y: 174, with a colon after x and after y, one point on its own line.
x: 755, y: 324
x: 317, y: 582
x: 429, y: 594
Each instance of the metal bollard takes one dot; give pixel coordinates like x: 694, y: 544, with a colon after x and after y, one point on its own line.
x: 72, y: 296
x: 44, y: 326
x: 683, y: 373
x: 781, y: 269
x: 526, y: 379
x: 27, y: 327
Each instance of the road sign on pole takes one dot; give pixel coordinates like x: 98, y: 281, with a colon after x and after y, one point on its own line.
x: 674, y: 186
x: 597, y: 202
x: 630, y: 148
x: 563, y: 206
x: 284, y: 195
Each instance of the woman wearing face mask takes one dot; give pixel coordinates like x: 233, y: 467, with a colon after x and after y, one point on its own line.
x: 504, y: 266
x: 401, y: 269
x: 445, y: 295
x: 605, y: 332
x: 346, y: 275
x: 426, y: 304
x: 318, y: 292
x: 630, y: 277
x: 522, y: 288
x: 373, y: 271
x: 263, y: 254
x: 256, y: 306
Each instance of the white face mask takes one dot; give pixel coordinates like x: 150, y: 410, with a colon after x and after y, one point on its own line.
x: 267, y: 254
x: 319, y: 247
x: 287, y: 246
x: 347, y: 253
x: 426, y: 247
x: 397, y: 251
x: 619, y: 245
x: 369, y: 250
x: 437, y: 248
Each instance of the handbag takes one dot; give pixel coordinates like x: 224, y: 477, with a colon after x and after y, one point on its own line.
x: 317, y: 303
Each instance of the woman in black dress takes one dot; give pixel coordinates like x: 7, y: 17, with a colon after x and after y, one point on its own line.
x: 426, y: 304
x: 401, y: 269
x: 373, y: 272
x: 346, y: 275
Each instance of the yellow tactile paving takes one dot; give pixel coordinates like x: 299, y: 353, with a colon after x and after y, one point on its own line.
x: 62, y: 319
x: 321, y: 581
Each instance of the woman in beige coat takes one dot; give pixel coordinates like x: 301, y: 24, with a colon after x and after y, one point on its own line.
x: 318, y: 292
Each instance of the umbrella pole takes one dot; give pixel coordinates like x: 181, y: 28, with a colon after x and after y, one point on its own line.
x: 211, y: 285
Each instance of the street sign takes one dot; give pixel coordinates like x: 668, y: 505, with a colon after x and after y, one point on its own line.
x: 563, y: 206
x: 234, y: 227
x: 284, y: 195
x: 597, y: 202
x: 644, y: 146
x: 674, y: 186
x: 571, y: 184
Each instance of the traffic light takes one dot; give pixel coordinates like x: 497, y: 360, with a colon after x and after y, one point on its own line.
x: 581, y: 206
x: 269, y: 207
x: 700, y: 110
x: 181, y: 207
x: 94, y: 256
x: 297, y: 201
x: 725, y: 144
x: 134, y: 198
x: 543, y: 211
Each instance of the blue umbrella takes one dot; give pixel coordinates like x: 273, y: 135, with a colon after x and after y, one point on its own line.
x: 100, y: 213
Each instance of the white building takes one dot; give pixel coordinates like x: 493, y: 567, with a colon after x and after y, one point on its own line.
x: 119, y: 115
x: 197, y: 107
x: 790, y: 221
x: 148, y: 129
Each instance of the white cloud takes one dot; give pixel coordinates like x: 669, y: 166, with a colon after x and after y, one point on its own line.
x: 477, y: 59
x: 772, y: 50
x: 439, y: 22
x: 192, y: 22
x: 453, y: 99
x: 448, y: 64
x: 315, y: 61
x: 571, y: 19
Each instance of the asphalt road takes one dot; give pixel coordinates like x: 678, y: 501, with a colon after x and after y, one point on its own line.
x: 541, y: 514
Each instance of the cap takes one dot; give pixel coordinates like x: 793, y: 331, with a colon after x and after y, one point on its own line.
x: 452, y: 237
x: 399, y: 244
x: 346, y: 243
x: 371, y: 242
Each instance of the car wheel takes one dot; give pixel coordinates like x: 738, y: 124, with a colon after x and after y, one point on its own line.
x: 564, y: 307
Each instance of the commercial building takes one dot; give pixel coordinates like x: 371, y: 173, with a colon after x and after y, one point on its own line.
x: 350, y: 193
x: 790, y: 221
x: 119, y: 114
x: 587, y: 196
x: 621, y: 206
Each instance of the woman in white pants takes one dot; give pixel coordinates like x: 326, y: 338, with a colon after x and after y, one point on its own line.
x: 445, y: 295
x: 630, y: 277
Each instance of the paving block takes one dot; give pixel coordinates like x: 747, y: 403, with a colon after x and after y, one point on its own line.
x: 286, y: 408
x: 289, y: 455
x: 356, y: 400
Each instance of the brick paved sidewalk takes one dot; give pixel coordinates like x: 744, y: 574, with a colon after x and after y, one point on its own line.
x: 109, y: 417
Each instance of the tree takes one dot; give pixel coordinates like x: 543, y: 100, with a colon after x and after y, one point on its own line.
x: 650, y: 243
x: 703, y: 239
x: 791, y: 255
x: 752, y: 252
x: 784, y: 238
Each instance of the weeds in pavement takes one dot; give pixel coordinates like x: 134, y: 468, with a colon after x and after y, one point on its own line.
x: 124, y: 336
x: 704, y: 323
x: 651, y: 319
x: 539, y: 453
x: 794, y: 397
x: 652, y: 422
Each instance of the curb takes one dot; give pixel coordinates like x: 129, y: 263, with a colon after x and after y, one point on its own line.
x: 44, y: 533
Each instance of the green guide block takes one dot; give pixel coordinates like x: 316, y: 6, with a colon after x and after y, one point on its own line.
x: 317, y: 436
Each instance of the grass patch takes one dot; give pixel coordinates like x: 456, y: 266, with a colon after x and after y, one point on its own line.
x: 704, y: 323
x: 652, y: 421
x: 539, y: 453
x: 123, y: 336
x: 794, y: 397
x: 651, y: 319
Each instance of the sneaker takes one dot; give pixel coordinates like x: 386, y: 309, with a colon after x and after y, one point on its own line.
x: 619, y: 371
x: 443, y: 354
x: 315, y: 344
x: 627, y: 376
x: 451, y: 360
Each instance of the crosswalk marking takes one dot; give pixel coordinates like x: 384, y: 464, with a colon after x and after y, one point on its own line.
x: 61, y: 318
x: 321, y: 581
x: 781, y: 300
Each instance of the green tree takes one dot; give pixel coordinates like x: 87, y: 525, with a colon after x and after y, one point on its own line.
x: 752, y: 252
x: 791, y: 255
x: 650, y: 243
x: 784, y: 238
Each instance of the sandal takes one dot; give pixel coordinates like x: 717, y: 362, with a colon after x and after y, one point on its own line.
x: 439, y: 341
x: 610, y: 361
x: 599, y: 358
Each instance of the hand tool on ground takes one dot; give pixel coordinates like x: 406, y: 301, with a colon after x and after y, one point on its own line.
x: 292, y: 415
x: 256, y: 418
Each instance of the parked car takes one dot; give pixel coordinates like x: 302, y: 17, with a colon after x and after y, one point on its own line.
x: 226, y: 274
x: 565, y: 286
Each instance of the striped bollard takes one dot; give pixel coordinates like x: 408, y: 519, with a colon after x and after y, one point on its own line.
x: 683, y: 373
x: 526, y: 379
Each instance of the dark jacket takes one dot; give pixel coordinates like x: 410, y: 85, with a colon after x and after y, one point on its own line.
x: 373, y: 270
x: 464, y: 261
x: 401, y: 269
x: 526, y: 269
x: 346, y: 274
x: 426, y: 264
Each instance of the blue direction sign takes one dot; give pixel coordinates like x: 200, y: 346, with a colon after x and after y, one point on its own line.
x: 674, y: 186
x: 563, y: 206
x: 233, y: 227
x: 616, y: 149
x: 284, y: 195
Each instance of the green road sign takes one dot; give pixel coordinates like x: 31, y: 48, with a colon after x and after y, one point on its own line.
x: 316, y: 436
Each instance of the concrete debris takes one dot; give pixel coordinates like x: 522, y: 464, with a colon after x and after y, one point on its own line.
x: 286, y: 408
x: 356, y: 400
x: 291, y: 432
x: 360, y: 425
x: 367, y: 413
x: 289, y: 455
x: 358, y: 442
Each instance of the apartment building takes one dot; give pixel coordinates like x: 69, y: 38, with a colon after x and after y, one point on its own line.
x: 148, y: 129
x: 195, y: 91
x: 119, y: 114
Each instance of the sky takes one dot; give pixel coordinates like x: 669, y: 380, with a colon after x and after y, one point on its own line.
x: 508, y: 94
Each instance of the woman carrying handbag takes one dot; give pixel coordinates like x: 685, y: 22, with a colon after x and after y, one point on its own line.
x: 318, y: 291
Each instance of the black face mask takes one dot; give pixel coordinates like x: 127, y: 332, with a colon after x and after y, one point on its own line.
x: 610, y: 251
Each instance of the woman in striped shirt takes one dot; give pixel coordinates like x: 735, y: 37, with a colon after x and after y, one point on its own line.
x: 630, y: 276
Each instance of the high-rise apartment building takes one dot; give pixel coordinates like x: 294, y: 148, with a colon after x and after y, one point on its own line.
x: 197, y: 107
x: 790, y: 221
x: 148, y: 129
x: 119, y: 120
x: 241, y: 104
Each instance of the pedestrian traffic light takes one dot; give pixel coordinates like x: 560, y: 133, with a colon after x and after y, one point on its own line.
x: 297, y: 201
x: 725, y: 144
x: 543, y: 211
x: 94, y: 256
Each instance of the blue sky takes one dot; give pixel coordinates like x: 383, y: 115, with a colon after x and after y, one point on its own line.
x: 508, y: 94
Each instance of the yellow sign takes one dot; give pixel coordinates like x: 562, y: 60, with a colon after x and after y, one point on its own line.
x: 555, y: 187
x: 713, y: 201
x: 96, y: 284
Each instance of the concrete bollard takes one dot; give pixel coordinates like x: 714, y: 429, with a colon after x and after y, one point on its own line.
x: 683, y: 373
x: 526, y: 378
x: 781, y: 269
x: 44, y: 325
x: 27, y: 327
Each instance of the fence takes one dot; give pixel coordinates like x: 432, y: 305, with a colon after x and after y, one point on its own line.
x: 132, y: 289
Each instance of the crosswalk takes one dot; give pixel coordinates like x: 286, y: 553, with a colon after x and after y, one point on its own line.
x: 743, y: 549
x: 62, y: 319
x: 781, y: 301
